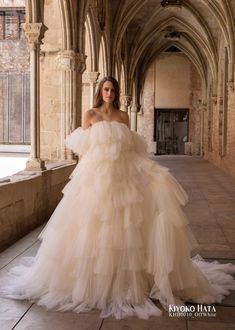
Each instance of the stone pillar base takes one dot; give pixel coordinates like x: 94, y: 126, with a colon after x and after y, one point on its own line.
x: 69, y: 155
x: 35, y: 164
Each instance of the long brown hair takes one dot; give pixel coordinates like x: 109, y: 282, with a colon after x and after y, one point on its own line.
x: 98, y: 101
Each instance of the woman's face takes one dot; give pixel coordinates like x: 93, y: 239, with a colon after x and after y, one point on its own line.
x: 108, y: 93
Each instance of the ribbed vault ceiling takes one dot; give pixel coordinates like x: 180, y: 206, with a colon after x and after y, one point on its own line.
x: 195, y: 27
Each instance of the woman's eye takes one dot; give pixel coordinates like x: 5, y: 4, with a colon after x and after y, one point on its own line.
x: 107, y: 89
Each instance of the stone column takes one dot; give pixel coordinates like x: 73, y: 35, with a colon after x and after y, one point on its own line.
x: 140, y: 114
x: 92, y: 78
x: 211, y: 105
x: 81, y: 67
x: 230, y: 85
x: 221, y: 111
x: 66, y: 61
x: 125, y: 102
x: 134, y: 109
x: 34, y: 33
x: 230, y: 119
x: 69, y: 62
x: 202, y: 130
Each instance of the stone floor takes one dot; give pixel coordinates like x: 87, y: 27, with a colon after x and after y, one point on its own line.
x: 211, y: 211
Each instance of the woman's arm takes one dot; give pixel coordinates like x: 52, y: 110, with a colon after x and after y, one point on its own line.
x: 125, y: 118
x: 86, y: 119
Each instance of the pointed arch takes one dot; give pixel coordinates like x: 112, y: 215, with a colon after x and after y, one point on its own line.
x: 122, y: 80
x: 193, y: 59
x: 90, y: 44
x: 103, y: 67
x: 68, y: 24
x: 195, y: 39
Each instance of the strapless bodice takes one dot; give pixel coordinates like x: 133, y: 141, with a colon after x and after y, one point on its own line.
x: 108, y: 137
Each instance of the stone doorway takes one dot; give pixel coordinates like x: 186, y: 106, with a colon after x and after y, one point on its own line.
x: 170, y: 130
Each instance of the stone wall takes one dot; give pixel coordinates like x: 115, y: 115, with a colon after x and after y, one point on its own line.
x: 195, y: 111
x: 172, y: 88
x: 219, y: 131
x: 166, y: 87
x: 206, y: 125
x: 51, y: 100
x: 226, y: 162
x: 29, y: 202
x: 147, y: 120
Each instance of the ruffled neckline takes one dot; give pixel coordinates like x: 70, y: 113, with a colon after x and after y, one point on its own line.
x: 104, y: 122
x: 105, y: 134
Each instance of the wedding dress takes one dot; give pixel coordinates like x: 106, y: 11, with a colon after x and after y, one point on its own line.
x: 119, y: 238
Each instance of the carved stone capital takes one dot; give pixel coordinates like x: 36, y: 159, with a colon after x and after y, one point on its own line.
x: 81, y: 62
x: 66, y: 60
x: 134, y: 107
x: 92, y: 77
x: 199, y: 102
x: 214, y: 99
x: 204, y: 106
x: 34, y: 33
x: 69, y: 60
x: 230, y: 85
x: 126, y: 100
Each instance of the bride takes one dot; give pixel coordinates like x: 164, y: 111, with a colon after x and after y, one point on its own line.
x: 118, y: 240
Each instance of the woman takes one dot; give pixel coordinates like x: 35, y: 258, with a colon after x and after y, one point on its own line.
x: 118, y: 238
x: 107, y: 105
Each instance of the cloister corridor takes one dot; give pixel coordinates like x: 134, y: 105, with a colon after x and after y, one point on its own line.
x: 211, y: 213
x: 173, y: 62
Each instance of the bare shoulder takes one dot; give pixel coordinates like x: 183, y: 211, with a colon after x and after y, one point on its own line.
x: 90, y: 112
x: 124, y: 116
x: 87, y: 117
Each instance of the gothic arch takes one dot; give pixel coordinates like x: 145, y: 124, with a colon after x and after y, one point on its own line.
x: 82, y: 10
x: 195, y: 39
x: 192, y: 58
x: 68, y: 23
x: 225, y: 20
x: 123, y: 17
x: 221, y: 12
x: 103, y: 67
x: 91, y: 39
x: 122, y: 80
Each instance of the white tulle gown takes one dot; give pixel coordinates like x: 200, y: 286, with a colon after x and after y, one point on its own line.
x: 119, y: 238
